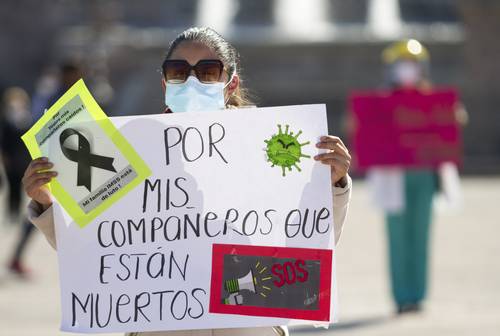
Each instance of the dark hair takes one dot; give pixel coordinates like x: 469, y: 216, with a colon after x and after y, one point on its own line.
x: 70, y: 66
x: 226, y: 52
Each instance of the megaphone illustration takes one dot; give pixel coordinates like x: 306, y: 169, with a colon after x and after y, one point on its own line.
x: 247, y: 282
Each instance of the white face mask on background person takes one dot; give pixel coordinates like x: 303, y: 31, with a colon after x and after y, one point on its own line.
x: 407, y: 74
x: 193, y: 95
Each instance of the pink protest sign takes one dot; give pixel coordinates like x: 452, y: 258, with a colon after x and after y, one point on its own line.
x: 406, y: 128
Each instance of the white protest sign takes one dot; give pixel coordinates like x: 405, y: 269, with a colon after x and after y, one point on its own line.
x: 234, y: 228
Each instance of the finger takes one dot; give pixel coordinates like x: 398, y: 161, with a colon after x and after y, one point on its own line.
x: 323, y: 156
x: 342, y: 146
x: 337, y: 152
x: 326, y: 145
x: 331, y: 139
x: 342, y: 149
x: 29, y: 180
x: 327, y: 142
x: 41, y: 159
x: 331, y: 144
x: 38, y: 165
x: 37, y: 185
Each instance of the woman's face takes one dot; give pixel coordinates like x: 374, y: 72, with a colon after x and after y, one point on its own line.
x: 192, y: 52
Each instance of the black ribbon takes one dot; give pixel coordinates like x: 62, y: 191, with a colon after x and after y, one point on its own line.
x: 84, y: 158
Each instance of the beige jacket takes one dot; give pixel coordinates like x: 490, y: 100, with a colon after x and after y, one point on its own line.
x: 44, y: 221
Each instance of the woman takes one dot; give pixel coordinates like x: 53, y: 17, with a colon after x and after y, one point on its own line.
x: 200, y: 72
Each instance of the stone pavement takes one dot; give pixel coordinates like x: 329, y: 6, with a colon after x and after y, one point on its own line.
x: 464, y: 296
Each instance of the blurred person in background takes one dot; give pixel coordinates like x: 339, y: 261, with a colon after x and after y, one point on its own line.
x: 16, y: 120
x: 409, y: 213
x: 407, y: 67
x: 201, y: 72
x: 53, y: 84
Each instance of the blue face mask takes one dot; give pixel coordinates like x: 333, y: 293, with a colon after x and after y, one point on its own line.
x: 192, y: 95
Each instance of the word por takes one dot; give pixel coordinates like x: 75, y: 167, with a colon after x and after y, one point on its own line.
x: 192, y: 143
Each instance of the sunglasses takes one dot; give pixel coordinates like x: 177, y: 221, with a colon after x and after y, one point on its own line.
x: 178, y: 71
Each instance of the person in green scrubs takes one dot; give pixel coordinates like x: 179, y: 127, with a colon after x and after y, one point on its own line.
x: 407, y: 67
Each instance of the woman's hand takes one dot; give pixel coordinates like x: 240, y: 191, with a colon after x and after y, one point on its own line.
x: 35, y: 177
x: 338, y: 158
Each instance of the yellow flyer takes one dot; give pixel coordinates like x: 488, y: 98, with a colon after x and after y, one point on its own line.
x: 96, y: 165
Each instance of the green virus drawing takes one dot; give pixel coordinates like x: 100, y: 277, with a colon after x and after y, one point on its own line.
x: 284, y: 150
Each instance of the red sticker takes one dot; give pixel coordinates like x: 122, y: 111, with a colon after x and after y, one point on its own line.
x: 271, y: 281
